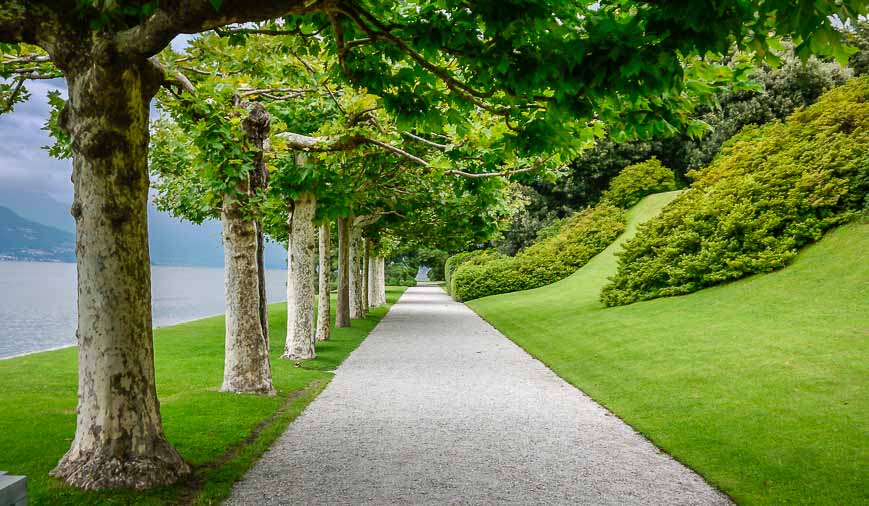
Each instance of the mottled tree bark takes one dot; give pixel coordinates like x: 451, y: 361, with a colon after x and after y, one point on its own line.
x: 261, y: 276
x: 119, y: 439
x: 257, y: 126
x: 356, y: 284
x: 372, y: 281
x: 366, y: 274
x: 291, y: 291
x: 246, y: 368
x: 376, y: 282
x: 300, y: 343
x: 324, y: 310
x: 342, y: 310
x: 381, y: 281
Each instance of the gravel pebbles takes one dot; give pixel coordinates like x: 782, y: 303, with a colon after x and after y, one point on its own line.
x: 438, y: 407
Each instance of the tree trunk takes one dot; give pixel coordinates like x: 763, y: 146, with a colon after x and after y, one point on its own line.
x: 366, y: 275
x: 377, y: 291
x: 261, y: 278
x: 342, y: 311
x: 381, y: 281
x: 300, y: 343
x: 256, y: 126
x: 119, y: 439
x: 246, y: 367
x: 291, y: 291
x: 356, y: 284
x: 324, y: 310
x: 372, y: 281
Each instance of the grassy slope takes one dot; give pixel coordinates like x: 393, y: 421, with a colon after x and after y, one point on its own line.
x: 761, y: 385
x: 38, y: 398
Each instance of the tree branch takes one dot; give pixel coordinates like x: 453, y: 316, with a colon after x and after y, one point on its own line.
x: 503, y: 173
x: 355, y: 13
x: 433, y: 144
x: 398, y: 151
x: 195, y: 16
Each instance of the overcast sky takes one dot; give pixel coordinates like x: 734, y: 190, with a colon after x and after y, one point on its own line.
x: 24, y: 165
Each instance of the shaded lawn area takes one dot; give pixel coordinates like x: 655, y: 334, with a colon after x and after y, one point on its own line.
x: 761, y: 385
x: 220, y: 434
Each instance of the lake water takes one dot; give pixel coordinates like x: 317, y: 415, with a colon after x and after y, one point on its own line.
x: 38, y: 301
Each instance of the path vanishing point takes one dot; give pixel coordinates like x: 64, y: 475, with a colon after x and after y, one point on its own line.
x: 438, y: 407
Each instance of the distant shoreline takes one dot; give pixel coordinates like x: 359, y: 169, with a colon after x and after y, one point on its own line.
x: 30, y: 261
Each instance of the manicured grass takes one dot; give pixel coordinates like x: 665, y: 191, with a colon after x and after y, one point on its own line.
x: 762, y: 385
x: 220, y: 434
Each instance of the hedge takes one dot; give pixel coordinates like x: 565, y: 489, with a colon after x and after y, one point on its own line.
x: 473, y: 257
x: 638, y: 180
x: 583, y: 236
x: 771, y: 191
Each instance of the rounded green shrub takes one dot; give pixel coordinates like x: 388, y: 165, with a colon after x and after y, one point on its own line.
x: 583, y: 236
x: 770, y: 191
x: 473, y: 257
x: 638, y: 180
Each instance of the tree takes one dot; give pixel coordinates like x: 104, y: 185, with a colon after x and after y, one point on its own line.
x: 554, y: 72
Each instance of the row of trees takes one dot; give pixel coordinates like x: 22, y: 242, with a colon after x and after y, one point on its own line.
x: 405, y: 123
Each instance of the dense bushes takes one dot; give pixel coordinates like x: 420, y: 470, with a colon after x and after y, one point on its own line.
x: 470, y: 257
x: 783, y: 90
x: 583, y: 235
x: 638, y: 180
x: 771, y: 190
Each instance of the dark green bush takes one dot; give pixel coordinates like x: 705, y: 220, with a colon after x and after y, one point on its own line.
x: 638, y: 180
x: 771, y: 191
x: 583, y: 236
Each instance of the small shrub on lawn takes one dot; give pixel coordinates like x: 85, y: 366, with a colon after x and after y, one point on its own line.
x: 583, y: 236
x: 770, y: 191
x: 638, y: 180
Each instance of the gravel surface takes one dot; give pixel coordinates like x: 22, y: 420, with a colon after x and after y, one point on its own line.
x: 438, y: 407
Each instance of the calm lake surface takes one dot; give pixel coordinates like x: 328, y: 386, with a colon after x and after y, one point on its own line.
x: 38, y: 301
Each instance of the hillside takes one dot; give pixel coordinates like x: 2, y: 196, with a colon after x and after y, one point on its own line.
x: 759, y: 384
x: 22, y: 239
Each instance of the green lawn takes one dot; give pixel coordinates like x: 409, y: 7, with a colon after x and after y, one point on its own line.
x: 762, y: 385
x: 220, y: 434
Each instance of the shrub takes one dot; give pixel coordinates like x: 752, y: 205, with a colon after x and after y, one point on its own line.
x: 472, y: 257
x: 583, y: 236
x: 638, y: 180
x: 770, y: 191
x: 400, y: 274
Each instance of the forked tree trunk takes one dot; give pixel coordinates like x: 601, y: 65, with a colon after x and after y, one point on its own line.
x: 366, y: 286
x: 324, y: 310
x: 246, y: 368
x: 342, y: 310
x: 300, y: 343
x: 356, y: 283
x: 119, y: 439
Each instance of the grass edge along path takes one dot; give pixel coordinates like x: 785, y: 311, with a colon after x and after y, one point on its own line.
x: 759, y: 385
x: 220, y: 434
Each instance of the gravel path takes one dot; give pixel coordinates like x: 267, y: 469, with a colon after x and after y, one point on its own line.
x: 438, y: 407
